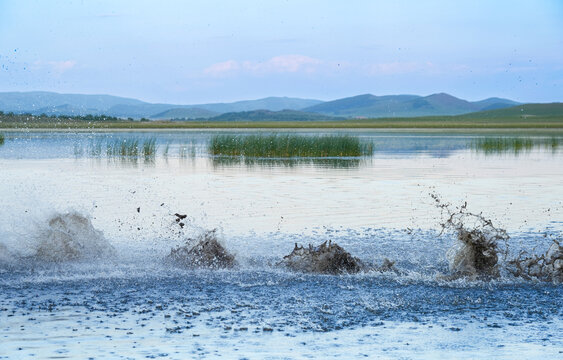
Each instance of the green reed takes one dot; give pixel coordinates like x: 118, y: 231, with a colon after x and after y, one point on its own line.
x: 149, y: 147
x: 1, y: 139
x: 497, y: 145
x: 287, y: 146
x: 124, y: 148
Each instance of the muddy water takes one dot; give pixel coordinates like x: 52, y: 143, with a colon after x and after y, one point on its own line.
x: 130, y: 303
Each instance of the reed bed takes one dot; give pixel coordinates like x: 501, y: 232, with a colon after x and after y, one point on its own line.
x: 124, y: 148
x: 497, y: 145
x: 289, y: 146
x: 1, y: 139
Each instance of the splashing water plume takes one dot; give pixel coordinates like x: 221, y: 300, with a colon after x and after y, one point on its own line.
x: 207, y: 252
x: 323, y: 259
x: 545, y: 267
x: 71, y: 236
x: 476, y: 254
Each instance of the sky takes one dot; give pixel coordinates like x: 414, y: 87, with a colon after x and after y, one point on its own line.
x: 189, y: 52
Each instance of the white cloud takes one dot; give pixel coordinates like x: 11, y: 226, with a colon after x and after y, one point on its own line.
x: 397, y: 68
x: 285, y: 64
x: 277, y: 64
x: 60, y: 67
x: 222, y: 68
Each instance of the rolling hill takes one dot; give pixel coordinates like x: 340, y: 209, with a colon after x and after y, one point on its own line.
x: 531, y: 111
x: 40, y: 102
x: 372, y: 106
x: 184, y: 114
x: 367, y: 105
x: 267, y: 115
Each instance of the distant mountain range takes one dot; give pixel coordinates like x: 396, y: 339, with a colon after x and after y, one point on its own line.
x: 267, y: 115
x: 40, y: 102
x: 529, y: 111
x: 367, y: 105
x: 405, y: 106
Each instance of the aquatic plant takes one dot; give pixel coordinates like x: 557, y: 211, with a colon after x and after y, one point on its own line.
x: 124, y: 148
x: 497, y: 145
x: 286, y: 146
x: 149, y: 147
x: 95, y: 147
x: 1, y: 139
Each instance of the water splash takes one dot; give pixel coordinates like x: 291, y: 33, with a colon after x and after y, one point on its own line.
x: 323, y: 259
x: 545, y: 267
x: 476, y: 254
x: 205, y: 251
x: 71, y: 236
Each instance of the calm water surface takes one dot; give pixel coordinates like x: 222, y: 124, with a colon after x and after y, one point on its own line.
x: 132, y: 305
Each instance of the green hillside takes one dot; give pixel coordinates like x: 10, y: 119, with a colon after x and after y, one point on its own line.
x: 526, y: 116
x: 183, y: 113
x: 523, y: 111
x: 396, y: 106
x: 266, y: 115
x: 54, y: 104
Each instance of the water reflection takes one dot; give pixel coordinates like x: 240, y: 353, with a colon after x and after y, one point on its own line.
x: 334, y: 163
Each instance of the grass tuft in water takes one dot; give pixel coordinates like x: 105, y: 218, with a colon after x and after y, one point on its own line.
x: 122, y: 148
x: 95, y: 148
x: 287, y: 146
x: 149, y: 147
x: 1, y: 139
x: 497, y: 145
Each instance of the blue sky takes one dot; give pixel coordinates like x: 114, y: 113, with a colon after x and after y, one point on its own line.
x: 210, y: 51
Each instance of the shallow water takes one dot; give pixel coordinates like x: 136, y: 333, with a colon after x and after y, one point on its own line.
x: 131, y: 304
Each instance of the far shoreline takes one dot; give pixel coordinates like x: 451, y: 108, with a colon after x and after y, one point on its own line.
x: 429, y: 130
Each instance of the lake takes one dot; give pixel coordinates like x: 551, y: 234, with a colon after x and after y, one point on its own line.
x: 130, y: 303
